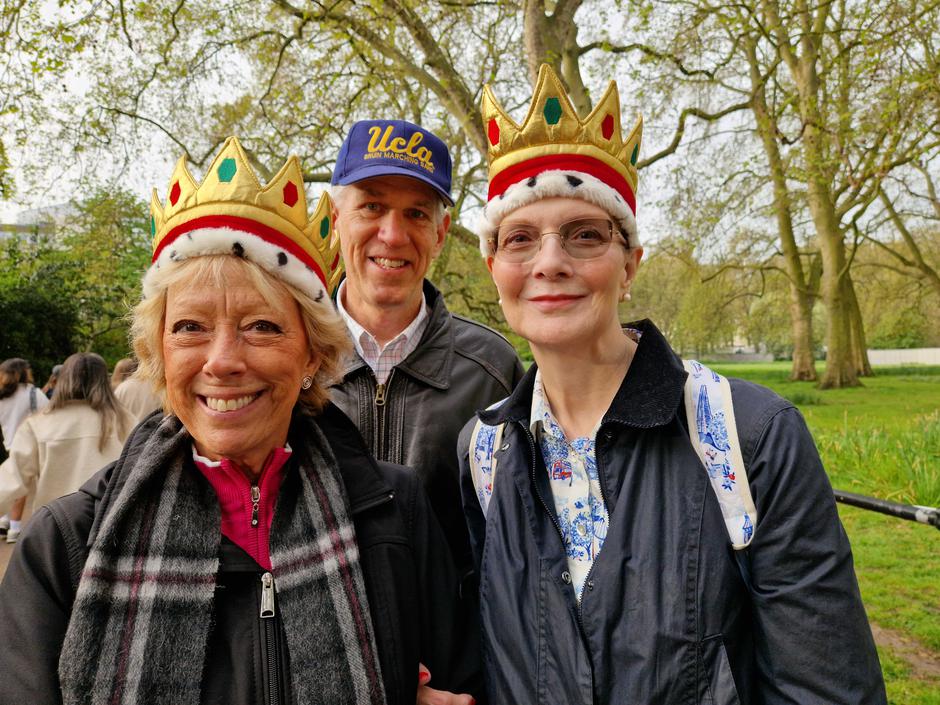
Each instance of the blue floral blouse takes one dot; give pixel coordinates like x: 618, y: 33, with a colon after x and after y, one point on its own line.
x: 572, y: 473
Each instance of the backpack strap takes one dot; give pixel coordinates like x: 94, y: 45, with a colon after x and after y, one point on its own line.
x: 484, y: 440
x: 714, y: 435
x: 712, y: 431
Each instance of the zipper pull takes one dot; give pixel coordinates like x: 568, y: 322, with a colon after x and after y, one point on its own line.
x: 267, y: 596
x: 255, y: 499
x: 380, y: 395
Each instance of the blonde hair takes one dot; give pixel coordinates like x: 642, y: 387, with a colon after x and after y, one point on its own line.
x: 326, y: 332
x: 84, y: 376
x: 123, y: 369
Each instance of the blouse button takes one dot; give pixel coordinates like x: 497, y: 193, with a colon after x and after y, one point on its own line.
x: 582, y: 529
x: 566, y: 578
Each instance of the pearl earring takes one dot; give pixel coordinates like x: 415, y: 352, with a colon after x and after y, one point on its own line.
x: 306, y: 382
x: 500, y: 300
x: 626, y: 296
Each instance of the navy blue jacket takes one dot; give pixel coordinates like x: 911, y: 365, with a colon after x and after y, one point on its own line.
x: 669, y: 613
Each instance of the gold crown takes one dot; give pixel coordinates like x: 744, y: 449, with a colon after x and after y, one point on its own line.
x: 554, y: 135
x: 230, y: 196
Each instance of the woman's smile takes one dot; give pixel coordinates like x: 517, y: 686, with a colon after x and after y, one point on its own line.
x: 555, y: 302
x: 226, y: 404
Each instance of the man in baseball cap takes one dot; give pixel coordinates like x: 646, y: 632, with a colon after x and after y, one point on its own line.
x: 419, y: 372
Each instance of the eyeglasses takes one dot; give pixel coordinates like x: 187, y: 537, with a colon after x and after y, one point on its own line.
x: 585, y: 238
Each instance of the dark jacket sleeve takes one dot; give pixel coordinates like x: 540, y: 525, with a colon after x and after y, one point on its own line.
x: 450, y: 636
x: 814, y: 644
x: 35, y: 603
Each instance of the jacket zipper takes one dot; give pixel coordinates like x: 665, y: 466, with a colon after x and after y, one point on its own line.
x: 269, y: 625
x: 381, y: 397
x: 255, y: 501
x: 374, y: 502
x: 561, y: 537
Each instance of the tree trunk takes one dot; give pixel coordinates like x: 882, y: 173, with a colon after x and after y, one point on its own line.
x: 801, y: 302
x: 840, y: 371
x: 859, y: 344
x: 533, y: 38
x: 801, y: 322
x: 840, y: 368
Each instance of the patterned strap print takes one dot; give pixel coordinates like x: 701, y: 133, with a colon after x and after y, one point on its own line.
x: 483, y: 443
x: 714, y: 435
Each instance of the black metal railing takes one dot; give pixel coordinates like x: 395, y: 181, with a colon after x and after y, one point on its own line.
x: 911, y: 512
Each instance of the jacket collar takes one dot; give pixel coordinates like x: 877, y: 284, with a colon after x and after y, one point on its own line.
x: 649, y: 395
x: 364, y: 483
x: 432, y: 360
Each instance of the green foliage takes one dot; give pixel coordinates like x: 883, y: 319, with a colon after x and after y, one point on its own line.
x: 882, y: 439
x: 900, y: 328
x: 907, y: 462
x: 70, y: 290
x: 6, y: 177
x: 107, y: 247
x: 37, y: 314
x: 38, y: 324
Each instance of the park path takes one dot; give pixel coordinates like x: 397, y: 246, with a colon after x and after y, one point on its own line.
x: 6, y: 550
x: 924, y: 663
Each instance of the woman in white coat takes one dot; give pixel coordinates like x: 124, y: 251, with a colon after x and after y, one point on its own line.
x: 18, y: 399
x: 81, y: 430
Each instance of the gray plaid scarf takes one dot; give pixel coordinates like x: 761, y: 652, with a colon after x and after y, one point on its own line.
x: 143, y: 610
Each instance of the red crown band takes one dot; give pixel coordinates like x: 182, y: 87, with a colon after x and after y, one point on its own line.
x: 266, y: 233
x: 562, y: 162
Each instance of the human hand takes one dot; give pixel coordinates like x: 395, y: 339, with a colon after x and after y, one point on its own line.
x: 428, y: 696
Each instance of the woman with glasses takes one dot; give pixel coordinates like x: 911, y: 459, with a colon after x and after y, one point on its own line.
x: 609, y: 569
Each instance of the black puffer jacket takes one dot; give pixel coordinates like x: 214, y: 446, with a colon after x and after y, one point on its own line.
x: 410, y: 582
x: 667, y: 616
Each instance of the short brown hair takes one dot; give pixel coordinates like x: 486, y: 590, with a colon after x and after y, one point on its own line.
x: 326, y: 332
x: 13, y: 373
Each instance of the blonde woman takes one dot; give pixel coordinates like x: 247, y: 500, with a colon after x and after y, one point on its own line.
x: 245, y: 547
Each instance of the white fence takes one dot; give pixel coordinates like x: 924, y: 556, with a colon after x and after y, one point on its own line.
x: 925, y: 356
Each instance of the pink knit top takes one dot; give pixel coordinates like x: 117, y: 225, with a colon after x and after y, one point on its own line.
x: 247, y: 508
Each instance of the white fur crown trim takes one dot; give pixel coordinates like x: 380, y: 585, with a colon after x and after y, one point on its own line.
x: 226, y: 241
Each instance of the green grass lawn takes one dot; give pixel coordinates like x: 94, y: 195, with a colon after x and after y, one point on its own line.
x: 883, y: 439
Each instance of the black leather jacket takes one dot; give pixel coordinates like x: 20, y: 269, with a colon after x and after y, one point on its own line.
x: 410, y: 582
x: 459, y: 367
x: 669, y: 614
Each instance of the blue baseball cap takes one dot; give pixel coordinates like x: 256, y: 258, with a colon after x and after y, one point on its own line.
x: 393, y: 148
